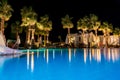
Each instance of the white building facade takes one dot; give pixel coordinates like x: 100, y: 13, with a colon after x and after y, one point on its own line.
x: 85, y: 39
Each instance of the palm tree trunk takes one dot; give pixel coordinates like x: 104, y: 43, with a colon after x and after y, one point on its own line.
x: 47, y: 36
x: 44, y: 40
x: 2, y: 25
x: 33, y: 31
x: 69, y: 31
x: 47, y: 39
x: 96, y: 37
x: 96, y: 33
x: 32, y: 37
x: 83, y: 37
x: 105, y: 34
x: 106, y: 39
x: 38, y: 39
x: 69, y: 36
x: 28, y: 36
x: 2, y: 28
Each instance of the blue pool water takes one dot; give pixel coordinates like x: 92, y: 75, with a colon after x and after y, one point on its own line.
x: 62, y: 64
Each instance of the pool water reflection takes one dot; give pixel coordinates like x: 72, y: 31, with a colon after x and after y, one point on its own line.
x: 63, y: 64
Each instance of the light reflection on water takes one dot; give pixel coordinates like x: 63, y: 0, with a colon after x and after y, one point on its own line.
x: 64, y: 63
x: 109, y: 54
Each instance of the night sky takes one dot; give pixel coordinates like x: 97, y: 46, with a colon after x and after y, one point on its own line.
x: 106, y: 11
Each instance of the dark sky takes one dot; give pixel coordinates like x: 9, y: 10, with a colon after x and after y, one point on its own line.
x: 106, y: 11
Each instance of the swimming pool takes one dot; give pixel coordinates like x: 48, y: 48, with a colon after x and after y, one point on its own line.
x: 63, y: 64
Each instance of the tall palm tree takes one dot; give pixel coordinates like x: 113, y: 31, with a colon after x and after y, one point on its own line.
x: 44, y: 34
x: 48, y: 29
x: 47, y: 26
x: 106, y: 28
x: 94, y: 23
x: 16, y: 28
x: 39, y: 31
x: 82, y: 24
x: 39, y: 37
x: 29, y: 20
x: 5, y: 13
x: 67, y: 23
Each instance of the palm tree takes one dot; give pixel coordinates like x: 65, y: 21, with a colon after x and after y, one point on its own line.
x: 44, y: 34
x: 82, y: 24
x: 116, y: 32
x: 106, y: 28
x: 5, y: 13
x: 47, y: 26
x: 39, y: 31
x: 94, y: 23
x: 67, y: 23
x: 16, y: 28
x: 29, y: 20
x: 39, y: 37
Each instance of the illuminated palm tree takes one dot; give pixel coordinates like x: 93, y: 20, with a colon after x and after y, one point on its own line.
x: 39, y: 31
x: 116, y: 31
x: 39, y: 37
x: 5, y: 13
x: 29, y: 20
x: 67, y: 23
x: 82, y: 24
x: 44, y: 34
x: 16, y: 28
x: 47, y: 26
x: 106, y: 28
x: 94, y: 23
